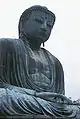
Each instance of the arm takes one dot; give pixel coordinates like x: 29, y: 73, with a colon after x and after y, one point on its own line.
x: 59, y: 78
x: 53, y: 97
x: 12, y: 75
x: 59, y: 73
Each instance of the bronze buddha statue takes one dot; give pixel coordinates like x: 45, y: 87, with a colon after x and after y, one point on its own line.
x: 31, y: 78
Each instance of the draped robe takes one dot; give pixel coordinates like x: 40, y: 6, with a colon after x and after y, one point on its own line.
x: 21, y: 75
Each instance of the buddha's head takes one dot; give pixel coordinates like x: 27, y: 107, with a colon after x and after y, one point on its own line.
x: 36, y: 24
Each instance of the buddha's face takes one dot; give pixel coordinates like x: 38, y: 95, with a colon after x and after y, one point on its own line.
x: 38, y: 26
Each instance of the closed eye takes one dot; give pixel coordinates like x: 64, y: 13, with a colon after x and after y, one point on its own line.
x: 39, y: 19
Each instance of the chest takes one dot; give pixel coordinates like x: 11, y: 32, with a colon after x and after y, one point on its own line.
x: 38, y: 62
x: 39, y: 70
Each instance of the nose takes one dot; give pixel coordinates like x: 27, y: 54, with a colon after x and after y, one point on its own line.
x: 44, y: 26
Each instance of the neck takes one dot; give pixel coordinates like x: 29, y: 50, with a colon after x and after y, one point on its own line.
x: 34, y: 45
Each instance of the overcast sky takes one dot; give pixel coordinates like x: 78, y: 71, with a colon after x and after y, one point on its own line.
x: 64, y: 41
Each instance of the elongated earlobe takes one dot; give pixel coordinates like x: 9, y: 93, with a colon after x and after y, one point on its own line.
x: 43, y: 44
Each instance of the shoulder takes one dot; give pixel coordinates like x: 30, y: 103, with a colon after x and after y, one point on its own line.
x: 56, y: 60
x: 9, y: 43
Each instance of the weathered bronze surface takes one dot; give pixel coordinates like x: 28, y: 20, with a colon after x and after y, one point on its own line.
x: 31, y: 78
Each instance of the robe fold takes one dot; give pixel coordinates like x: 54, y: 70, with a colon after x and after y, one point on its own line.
x: 17, y: 82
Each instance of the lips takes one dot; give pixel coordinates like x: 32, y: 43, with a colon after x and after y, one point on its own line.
x: 42, y: 36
